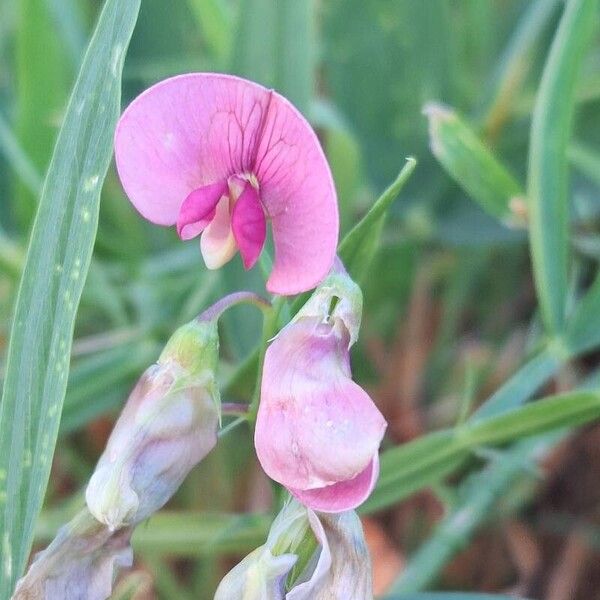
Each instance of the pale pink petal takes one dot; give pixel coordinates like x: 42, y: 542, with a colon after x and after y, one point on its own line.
x: 217, y: 243
x: 344, y: 495
x: 298, y: 192
x: 184, y: 133
x: 315, y: 426
x: 198, y: 209
x: 249, y: 226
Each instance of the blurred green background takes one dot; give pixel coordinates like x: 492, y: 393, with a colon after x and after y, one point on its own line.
x: 450, y: 309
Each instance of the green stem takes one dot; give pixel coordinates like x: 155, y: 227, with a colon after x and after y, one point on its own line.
x: 270, y: 328
x: 219, y: 307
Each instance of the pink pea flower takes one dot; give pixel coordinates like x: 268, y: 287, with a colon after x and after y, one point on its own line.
x: 219, y: 156
x: 318, y: 432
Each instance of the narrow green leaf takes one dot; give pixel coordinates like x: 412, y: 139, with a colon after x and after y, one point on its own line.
x: 70, y: 23
x: 417, y: 464
x: 284, y: 58
x: 547, y: 182
x: 17, y: 158
x: 583, y: 329
x: 56, y: 266
x: 515, y: 63
x: 42, y: 78
x: 295, y: 54
x: 412, y: 466
x: 216, y: 23
x: 201, y: 534
x: 180, y: 533
x: 100, y: 382
x: 473, y: 166
x: 256, y: 20
x: 586, y: 160
x: 565, y: 410
x: 481, y: 492
x: 450, y: 596
x: 359, y: 245
x: 524, y: 383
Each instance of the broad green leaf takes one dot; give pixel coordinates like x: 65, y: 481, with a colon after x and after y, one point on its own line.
x: 474, y: 167
x: 420, y: 463
x: 360, y: 244
x: 57, y: 262
x: 548, y: 166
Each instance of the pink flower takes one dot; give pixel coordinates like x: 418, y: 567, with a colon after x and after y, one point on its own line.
x: 317, y: 432
x: 217, y: 155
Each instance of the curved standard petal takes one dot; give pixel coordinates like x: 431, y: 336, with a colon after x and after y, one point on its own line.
x: 195, y: 130
x: 184, y: 133
x: 298, y: 192
x: 316, y: 429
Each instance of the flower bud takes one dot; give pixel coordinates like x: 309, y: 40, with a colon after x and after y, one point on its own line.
x: 338, y: 567
x: 317, y: 432
x: 262, y: 574
x: 81, y: 562
x: 168, y: 425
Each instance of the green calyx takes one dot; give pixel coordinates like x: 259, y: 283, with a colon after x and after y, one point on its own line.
x: 194, y: 347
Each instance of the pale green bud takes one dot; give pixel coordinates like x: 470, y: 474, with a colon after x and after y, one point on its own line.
x: 168, y: 425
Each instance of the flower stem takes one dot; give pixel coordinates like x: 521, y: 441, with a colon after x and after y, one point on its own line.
x: 219, y: 307
x: 269, y: 330
x: 234, y: 408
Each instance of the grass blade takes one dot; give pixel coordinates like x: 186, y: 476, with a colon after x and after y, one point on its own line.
x: 473, y: 166
x: 56, y: 266
x: 43, y: 77
x: 482, y: 491
x: 548, y: 165
x: 428, y: 459
x: 359, y: 245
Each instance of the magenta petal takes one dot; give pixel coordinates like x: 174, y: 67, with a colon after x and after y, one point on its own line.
x: 184, y: 133
x: 345, y: 495
x: 299, y: 195
x: 249, y: 226
x: 198, y: 209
